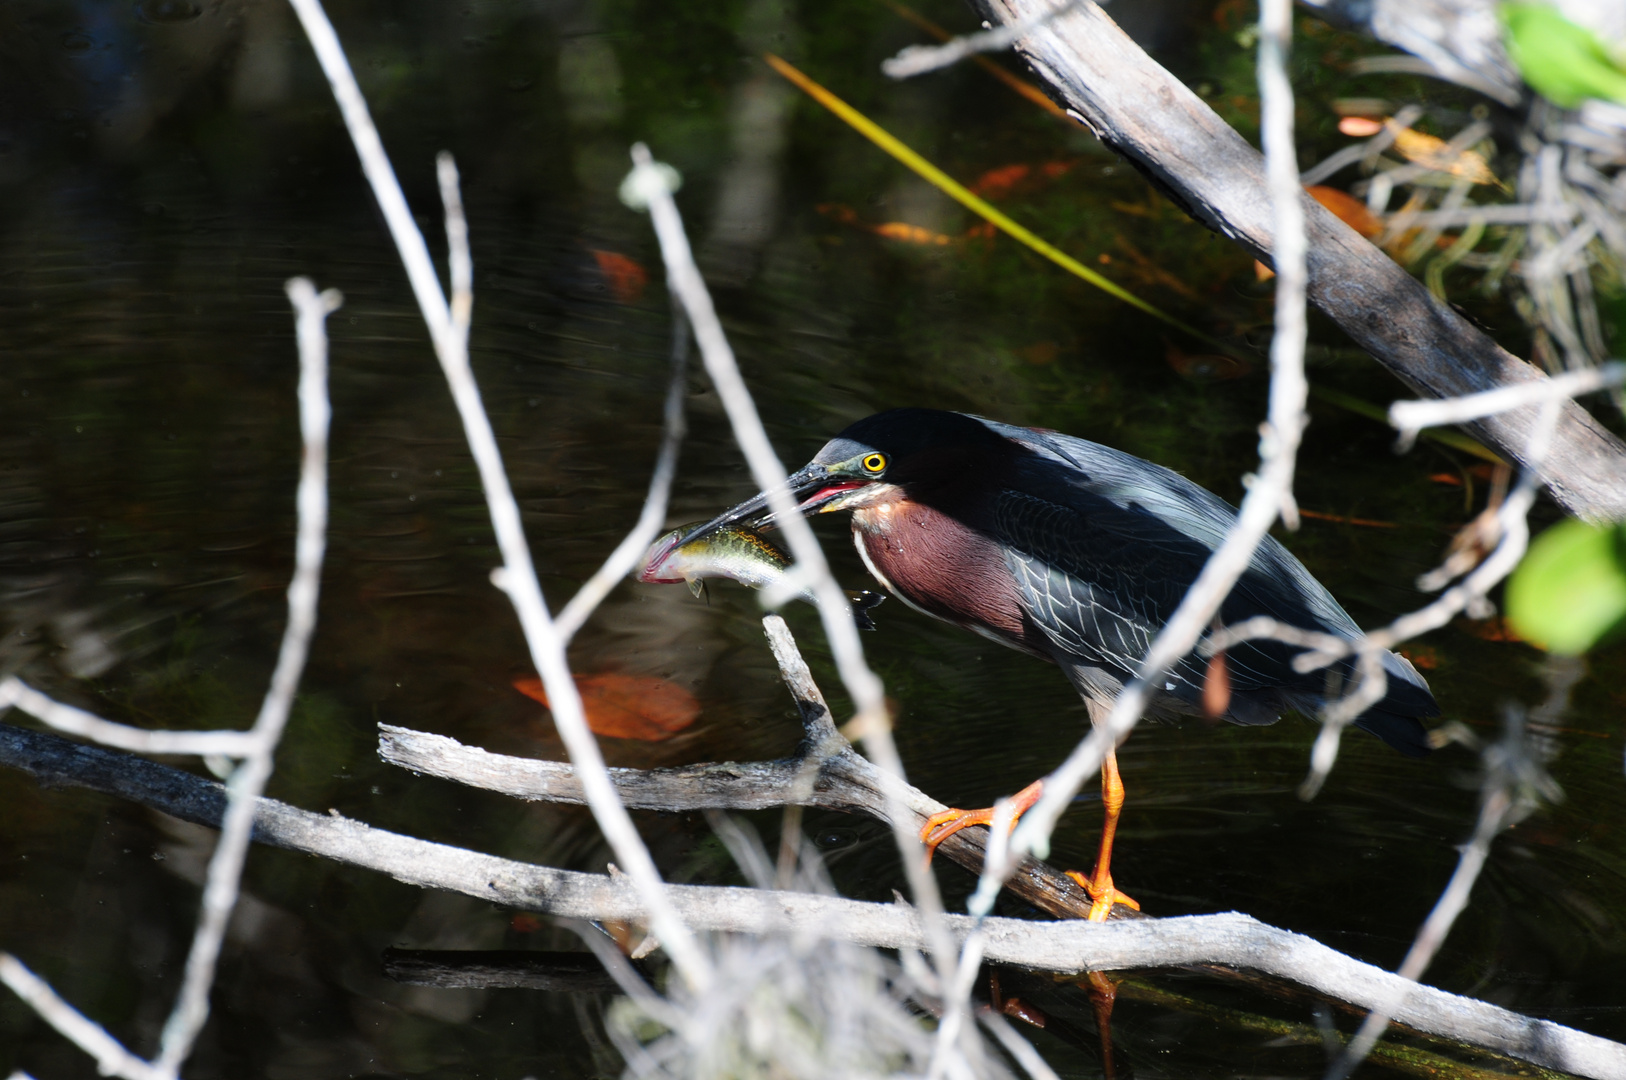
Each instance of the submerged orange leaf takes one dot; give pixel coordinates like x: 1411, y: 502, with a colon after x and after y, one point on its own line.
x: 1422, y: 657
x: 1000, y: 182
x: 626, y: 277
x: 1492, y: 629
x: 1348, y: 209
x: 910, y: 234
x: 997, y: 183
x: 1204, y: 367
x: 627, y: 706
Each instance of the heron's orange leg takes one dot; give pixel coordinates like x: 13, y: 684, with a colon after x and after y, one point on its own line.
x: 942, y: 825
x: 1099, y: 884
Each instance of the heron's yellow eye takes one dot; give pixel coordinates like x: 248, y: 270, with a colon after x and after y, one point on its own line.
x: 874, y: 463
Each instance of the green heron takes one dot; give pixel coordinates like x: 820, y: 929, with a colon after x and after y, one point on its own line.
x: 1075, y: 553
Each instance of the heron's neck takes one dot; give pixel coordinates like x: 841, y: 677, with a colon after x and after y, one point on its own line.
x: 938, y: 565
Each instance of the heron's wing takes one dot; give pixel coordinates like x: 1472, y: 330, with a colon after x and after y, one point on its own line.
x: 1132, y: 483
x: 1101, y: 581
x: 1099, y: 584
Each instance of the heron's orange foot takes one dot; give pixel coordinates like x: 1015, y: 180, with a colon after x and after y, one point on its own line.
x: 1103, y: 895
x: 944, y: 824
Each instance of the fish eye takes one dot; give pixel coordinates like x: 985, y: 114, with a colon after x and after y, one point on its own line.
x: 874, y: 463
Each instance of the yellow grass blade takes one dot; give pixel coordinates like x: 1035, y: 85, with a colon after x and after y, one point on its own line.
x: 956, y: 191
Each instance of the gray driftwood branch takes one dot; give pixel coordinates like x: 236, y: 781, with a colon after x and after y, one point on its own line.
x: 842, y: 781
x: 1072, y: 946
x: 1160, y: 126
x: 827, y: 774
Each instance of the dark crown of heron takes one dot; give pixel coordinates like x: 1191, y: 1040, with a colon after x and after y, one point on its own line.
x: 903, y: 436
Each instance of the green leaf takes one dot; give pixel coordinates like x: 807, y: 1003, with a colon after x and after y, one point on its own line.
x: 1564, y: 62
x: 1570, y: 590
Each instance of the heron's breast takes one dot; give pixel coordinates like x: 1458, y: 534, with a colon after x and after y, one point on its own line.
x: 941, y: 566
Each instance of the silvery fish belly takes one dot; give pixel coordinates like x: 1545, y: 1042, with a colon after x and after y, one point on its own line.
x: 736, y: 553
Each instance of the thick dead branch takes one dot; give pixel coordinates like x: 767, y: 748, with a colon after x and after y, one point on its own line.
x: 843, y: 781
x: 1164, y: 129
x: 1072, y: 946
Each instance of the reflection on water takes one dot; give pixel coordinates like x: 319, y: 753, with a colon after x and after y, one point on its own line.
x: 166, y: 166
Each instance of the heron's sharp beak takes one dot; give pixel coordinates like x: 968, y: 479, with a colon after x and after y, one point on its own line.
x: 812, y: 486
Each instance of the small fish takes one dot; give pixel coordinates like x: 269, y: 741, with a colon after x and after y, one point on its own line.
x: 738, y: 554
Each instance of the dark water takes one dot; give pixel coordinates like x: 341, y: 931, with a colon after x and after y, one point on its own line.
x: 166, y: 166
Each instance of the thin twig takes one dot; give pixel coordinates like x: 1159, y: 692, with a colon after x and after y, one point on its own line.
x: 248, y: 779
x: 1514, y: 780
x: 957, y: 1000
x: 1270, y: 492
x: 112, y: 1059
x: 1410, y: 417
x: 256, y: 747
x: 1016, y: 1046
x: 915, y: 60
x: 517, y: 576
x: 650, y: 185
x: 1511, y: 525
x: 630, y: 552
x: 75, y: 721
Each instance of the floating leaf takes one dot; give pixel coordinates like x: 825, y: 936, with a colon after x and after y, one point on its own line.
x: 1564, y: 62
x: 1570, y: 590
x: 627, y: 706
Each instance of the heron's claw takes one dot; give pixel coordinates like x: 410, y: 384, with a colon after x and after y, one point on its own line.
x: 1103, y: 895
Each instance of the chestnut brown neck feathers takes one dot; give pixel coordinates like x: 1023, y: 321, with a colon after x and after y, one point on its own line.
x: 923, y: 541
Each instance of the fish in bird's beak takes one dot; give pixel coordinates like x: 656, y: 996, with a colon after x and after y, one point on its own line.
x: 817, y: 488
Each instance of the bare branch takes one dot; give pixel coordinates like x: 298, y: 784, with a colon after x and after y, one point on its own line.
x: 1074, y: 946
x: 1410, y: 417
x: 650, y: 185
x: 112, y: 1059
x: 829, y: 775
x: 1510, y: 525
x: 256, y: 746
x: 13, y: 691
x: 1514, y: 782
x: 915, y: 60
x: 459, y: 260
x: 1269, y: 494
x: 517, y: 575
x: 248, y: 780
x: 627, y: 555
